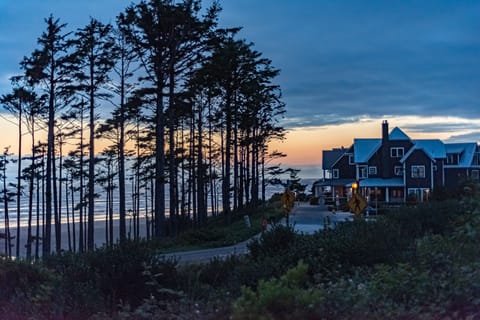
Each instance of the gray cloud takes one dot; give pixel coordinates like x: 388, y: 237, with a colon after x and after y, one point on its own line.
x: 441, y: 127
x: 472, y: 136
x: 350, y: 58
x: 340, y: 60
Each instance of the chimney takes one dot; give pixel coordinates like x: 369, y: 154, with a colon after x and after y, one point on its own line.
x: 384, y: 131
x: 385, y: 151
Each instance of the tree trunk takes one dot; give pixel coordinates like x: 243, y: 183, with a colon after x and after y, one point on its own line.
x: 30, y: 193
x: 202, y: 207
x: 19, y: 178
x: 81, y: 202
x: 228, y: 147
x: 172, y: 170
x: 49, y: 176
x: 159, y: 163
x: 91, y: 167
x: 74, y: 237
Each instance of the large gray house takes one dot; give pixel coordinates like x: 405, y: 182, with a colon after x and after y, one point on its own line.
x: 394, y: 168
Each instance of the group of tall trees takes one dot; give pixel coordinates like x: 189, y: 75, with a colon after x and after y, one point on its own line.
x: 193, y: 109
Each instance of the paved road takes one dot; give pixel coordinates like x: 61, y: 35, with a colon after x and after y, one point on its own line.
x: 309, y: 219
x: 306, y: 219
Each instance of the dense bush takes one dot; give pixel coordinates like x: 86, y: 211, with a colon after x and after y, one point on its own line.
x: 438, y: 277
x: 273, y: 242
x: 109, y: 275
x: 284, y: 298
x: 419, y: 262
x: 26, y: 289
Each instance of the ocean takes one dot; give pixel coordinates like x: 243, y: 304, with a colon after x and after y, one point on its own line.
x: 100, y: 202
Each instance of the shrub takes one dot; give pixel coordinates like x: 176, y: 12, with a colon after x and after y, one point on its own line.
x: 284, y: 298
x: 110, y: 275
x: 26, y: 289
x: 273, y: 242
x: 430, y: 217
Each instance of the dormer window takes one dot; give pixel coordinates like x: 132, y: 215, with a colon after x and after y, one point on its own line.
x: 452, y: 158
x: 396, y: 152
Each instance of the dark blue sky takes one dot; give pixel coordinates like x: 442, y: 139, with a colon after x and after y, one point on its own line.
x: 341, y: 60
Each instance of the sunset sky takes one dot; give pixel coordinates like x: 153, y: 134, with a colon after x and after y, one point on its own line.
x: 345, y: 65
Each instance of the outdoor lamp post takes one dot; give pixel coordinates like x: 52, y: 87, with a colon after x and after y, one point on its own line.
x: 354, y: 187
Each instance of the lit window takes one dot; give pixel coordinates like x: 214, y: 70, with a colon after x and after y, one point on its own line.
x: 418, y: 171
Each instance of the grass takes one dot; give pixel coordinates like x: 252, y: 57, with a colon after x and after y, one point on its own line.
x: 217, y: 234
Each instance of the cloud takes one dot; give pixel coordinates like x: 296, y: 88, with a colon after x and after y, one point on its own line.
x: 349, y: 58
x: 472, y: 137
x: 340, y: 61
x: 443, y: 127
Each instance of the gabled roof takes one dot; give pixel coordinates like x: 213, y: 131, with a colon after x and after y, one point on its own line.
x: 364, y: 149
x: 466, y: 151
x: 455, y: 147
x: 330, y: 157
x: 397, y: 134
x: 434, y: 149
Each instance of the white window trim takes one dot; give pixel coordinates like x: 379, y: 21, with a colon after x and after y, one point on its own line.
x: 335, y: 173
x: 350, y: 159
x: 372, y: 171
x: 422, y: 194
x: 398, y: 171
x: 359, y: 170
x: 413, y: 167
x: 397, y: 153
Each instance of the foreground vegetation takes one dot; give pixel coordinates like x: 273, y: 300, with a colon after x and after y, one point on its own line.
x: 417, y: 263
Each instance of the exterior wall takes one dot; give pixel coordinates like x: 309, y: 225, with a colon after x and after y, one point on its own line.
x: 453, y: 177
x: 418, y: 157
x: 345, y: 170
x: 438, y: 174
x: 406, y: 145
x: 376, y: 161
x: 384, y: 160
x: 476, y: 170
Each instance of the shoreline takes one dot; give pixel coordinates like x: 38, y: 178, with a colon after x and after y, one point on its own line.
x: 99, y: 235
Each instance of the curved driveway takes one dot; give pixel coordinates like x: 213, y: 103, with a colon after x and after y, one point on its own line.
x: 305, y: 218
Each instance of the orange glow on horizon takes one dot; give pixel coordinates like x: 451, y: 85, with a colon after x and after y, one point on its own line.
x: 303, y: 146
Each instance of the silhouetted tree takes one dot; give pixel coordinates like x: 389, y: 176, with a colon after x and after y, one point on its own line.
x: 94, y: 57
x: 47, y: 69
